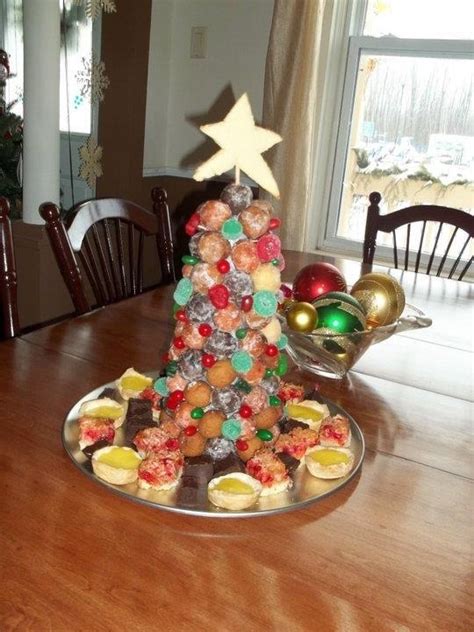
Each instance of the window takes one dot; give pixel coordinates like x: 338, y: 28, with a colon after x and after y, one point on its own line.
x: 406, y: 126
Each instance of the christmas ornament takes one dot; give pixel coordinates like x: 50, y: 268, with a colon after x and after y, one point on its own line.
x: 339, y: 313
x: 92, y: 79
x: 242, y: 144
x: 381, y: 296
x: 302, y: 317
x: 316, y: 279
x: 94, y: 7
x: 91, y: 157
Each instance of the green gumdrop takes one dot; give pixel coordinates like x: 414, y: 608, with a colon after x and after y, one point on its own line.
x: 241, y: 333
x: 189, y: 260
x: 241, y: 361
x: 197, y: 413
x: 232, y: 229
x: 268, y: 372
x: 231, y: 429
x: 171, y: 368
x: 282, y: 367
x: 265, y: 303
x: 161, y: 387
x: 274, y: 400
x: 242, y: 385
x: 183, y: 291
x: 264, y: 435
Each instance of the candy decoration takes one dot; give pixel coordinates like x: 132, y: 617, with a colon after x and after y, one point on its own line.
x: 231, y: 429
x: 189, y: 431
x: 189, y: 260
x: 161, y: 387
x: 340, y: 313
x: 241, y: 333
x: 282, y: 367
x: 245, y: 411
x: 302, y: 317
x: 381, y: 296
x: 205, y: 330
x: 208, y: 360
x: 192, y: 224
x: 171, y: 368
x: 242, y: 385
x: 181, y: 316
x: 178, y: 342
x: 268, y: 373
x: 268, y: 247
x: 271, y: 350
x: 264, y: 303
x: 197, y: 413
x: 219, y: 296
x: 275, y: 223
x: 174, y: 400
x: 223, y: 266
x: 246, y: 303
x: 274, y: 400
x: 241, y: 445
x: 264, y: 435
x: 237, y: 196
x: 232, y: 229
x: 316, y: 279
x: 242, y: 361
x: 183, y: 291
x: 172, y: 444
x: 266, y: 277
x: 282, y: 342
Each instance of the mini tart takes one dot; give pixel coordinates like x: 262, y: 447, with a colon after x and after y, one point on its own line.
x: 308, y: 411
x: 234, y: 491
x: 132, y: 383
x: 116, y: 464
x: 103, y: 408
x: 323, y: 462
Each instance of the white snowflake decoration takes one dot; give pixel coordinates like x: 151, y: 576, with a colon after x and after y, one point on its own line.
x: 94, y: 7
x: 91, y: 161
x: 92, y: 79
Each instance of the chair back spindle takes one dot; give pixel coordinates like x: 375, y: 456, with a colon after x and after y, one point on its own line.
x: 9, y: 323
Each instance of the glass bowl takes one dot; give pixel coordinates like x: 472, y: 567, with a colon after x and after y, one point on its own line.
x: 332, y: 355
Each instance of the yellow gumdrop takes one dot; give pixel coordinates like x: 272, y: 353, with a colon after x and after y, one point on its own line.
x: 329, y: 457
x: 305, y: 412
x: 106, y: 412
x: 123, y: 458
x: 234, y: 486
x: 135, y: 382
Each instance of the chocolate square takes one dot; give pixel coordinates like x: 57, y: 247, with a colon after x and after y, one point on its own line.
x: 111, y: 393
x: 288, y: 424
x: 192, y: 492
x: 230, y: 464
x: 289, y: 462
x: 199, y: 467
x: 139, y: 416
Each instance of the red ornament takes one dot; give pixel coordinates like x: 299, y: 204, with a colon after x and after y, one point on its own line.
x: 246, y: 303
x: 245, y: 411
x: 181, y: 315
x: 208, y: 360
x: 189, y: 431
x: 179, y: 343
x: 275, y: 223
x: 205, y: 330
x: 223, y: 266
x: 241, y: 445
x: 172, y: 444
x: 192, y: 224
x: 317, y: 279
x: 219, y: 296
x: 271, y: 350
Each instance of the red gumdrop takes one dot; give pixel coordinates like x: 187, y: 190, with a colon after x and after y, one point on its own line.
x: 172, y: 444
x: 178, y: 342
x: 192, y: 224
x: 246, y: 303
x: 275, y: 223
x: 223, y: 266
x: 241, y: 445
x: 219, y: 296
x: 208, y: 360
x: 181, y: 315
x: 268, y: 247
x: 271, y: 350
x: 205, y: 330
x: 189, y: 431
x: 245, y: 411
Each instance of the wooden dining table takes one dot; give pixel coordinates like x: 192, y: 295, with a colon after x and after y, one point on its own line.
x: 392, y: 550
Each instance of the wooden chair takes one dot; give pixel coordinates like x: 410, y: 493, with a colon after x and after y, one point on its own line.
x: 463, y: 225
x: 9, y: 325
x: 108, y: 235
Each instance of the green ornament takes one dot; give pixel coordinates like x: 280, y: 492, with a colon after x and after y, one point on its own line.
x: 232, y: 229
x: 243, y: 386
x: 282, y: 367
x: 340, y: 313
x: 241, y: 361
x: 264, y: 435
x: 265, y: 303
x: 171, y: 368
x: 197, y: 413
x: 274, y: 400
x: 282, y: 341
x: 161, y: 387
x: 241, y: 333
x: 189, y: 260
x: 183, y: 291
x: 268, y: 372
x: 231, y: 429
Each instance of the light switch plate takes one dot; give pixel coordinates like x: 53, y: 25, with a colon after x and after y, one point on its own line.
x: 199, y: 42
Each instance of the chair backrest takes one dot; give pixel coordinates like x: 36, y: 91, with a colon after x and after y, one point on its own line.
x: 108, y: 236
x: 444, y: 249
x: 9, y: 325
x: 165, y: 235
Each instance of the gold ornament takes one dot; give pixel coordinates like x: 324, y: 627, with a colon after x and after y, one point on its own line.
x: 301, y: 317
x: 381, y: 296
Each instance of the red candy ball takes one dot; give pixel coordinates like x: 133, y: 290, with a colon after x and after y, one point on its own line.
x: 181, y: 315
x: 246, y: 303
x: 179, y: 343
x: 223, y: 266
x: 174, y: 399
x: 205, y: 330
x: 241, y: 445
x: 208, y: 360
x: 271, y: 350
x: 172, y: 444
x: 317, y: 279
x: 192, y: 224
x: 189, y: 431
x: 219, y: 296
x: 245, y: 411
x: 275, y: 223
x: 268, y: 247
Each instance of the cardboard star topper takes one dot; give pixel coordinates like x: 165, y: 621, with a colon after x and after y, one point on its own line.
x: 242, y: 144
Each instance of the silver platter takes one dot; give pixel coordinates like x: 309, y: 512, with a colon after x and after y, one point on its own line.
x: 306, y: 488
